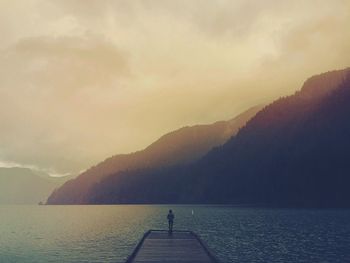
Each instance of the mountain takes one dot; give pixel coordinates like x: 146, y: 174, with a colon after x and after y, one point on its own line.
x: 25, y: 186
x: 294, y: 152
x: 182, y: 146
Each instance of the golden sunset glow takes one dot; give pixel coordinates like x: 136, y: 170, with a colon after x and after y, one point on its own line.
x: 84, y: 80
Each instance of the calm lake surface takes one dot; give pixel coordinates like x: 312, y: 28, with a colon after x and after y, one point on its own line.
x: 109, y: 233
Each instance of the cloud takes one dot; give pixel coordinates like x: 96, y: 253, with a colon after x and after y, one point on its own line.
x: 312, y: 45
x: 83, y: 80
x: 76, y: 61
x: 50, y: 172
x: 50, y: 87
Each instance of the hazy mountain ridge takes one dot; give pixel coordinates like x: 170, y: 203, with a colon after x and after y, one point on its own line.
x: 292, y: 153
x: 25, y: 186
x: 182, y: 146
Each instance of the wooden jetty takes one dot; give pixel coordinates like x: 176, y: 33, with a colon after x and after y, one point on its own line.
x: 179, y: 247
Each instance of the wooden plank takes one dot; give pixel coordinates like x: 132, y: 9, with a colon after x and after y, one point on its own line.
x: 180, y: 246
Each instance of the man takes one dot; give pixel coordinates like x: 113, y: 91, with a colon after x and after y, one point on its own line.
x: 171, y: 217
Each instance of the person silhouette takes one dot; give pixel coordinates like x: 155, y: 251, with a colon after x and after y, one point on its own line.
x: 171, y: 217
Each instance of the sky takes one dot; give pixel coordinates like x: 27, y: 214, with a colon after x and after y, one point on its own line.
x: 82, y: 80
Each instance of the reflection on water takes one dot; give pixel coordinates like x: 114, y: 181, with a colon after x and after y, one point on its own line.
x: 109, y: 233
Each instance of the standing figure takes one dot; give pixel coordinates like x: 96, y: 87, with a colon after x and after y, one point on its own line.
x: 171, y: 217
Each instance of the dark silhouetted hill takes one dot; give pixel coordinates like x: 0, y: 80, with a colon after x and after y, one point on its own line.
x: 294, y: 152
x: 182, y: 146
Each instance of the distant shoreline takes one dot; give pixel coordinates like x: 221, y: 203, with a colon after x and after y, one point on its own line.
x: 264, y: 206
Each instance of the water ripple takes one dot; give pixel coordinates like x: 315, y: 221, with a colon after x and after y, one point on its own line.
x: 109, y: 233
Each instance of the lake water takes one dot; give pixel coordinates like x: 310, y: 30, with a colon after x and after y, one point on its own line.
x: 109, y: 233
